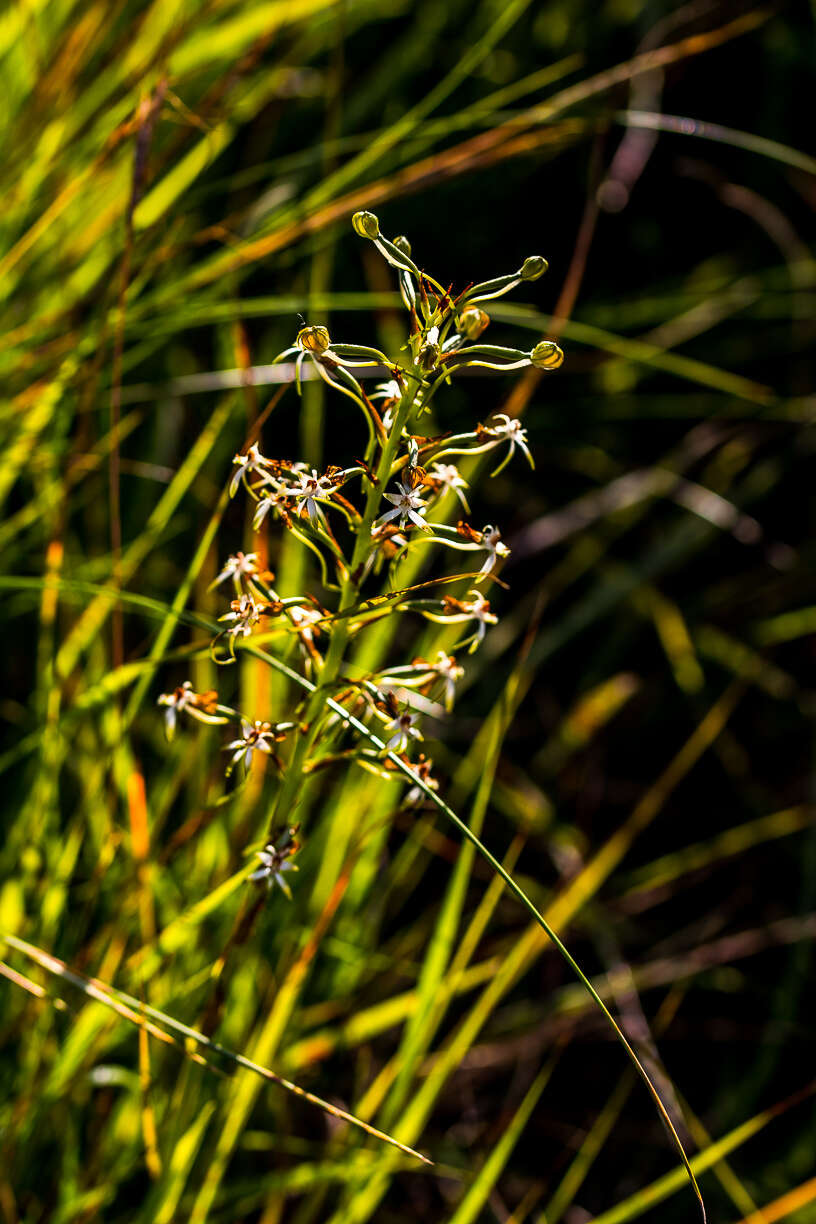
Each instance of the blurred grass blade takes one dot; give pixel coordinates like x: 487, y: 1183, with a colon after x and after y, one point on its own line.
x: 542, y: 922
x: 482, y: 1187
x: 179, y: 1165
x: 704, y: 130
x: 634, y: 1207
x: 793, y: 1200
x: 135, y: 1011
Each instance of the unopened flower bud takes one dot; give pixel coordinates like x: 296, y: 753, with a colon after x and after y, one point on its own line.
x: 472, y: 322
x: 533, y: 267
x: 313, y: 339
x: 546, y: 356
x: 402, y: 244
x: 366, y: 225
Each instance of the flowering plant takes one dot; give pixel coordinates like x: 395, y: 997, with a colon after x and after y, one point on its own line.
x: 362, y: 522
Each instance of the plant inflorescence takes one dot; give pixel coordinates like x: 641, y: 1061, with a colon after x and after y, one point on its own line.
x: 364, y: 522
x: 361, y: 522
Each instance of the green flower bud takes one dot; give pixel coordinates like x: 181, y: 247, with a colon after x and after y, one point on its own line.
x: 533, y: 267
x: 366, y: 225
x: 313, y: 339
x: 402, y: 244
x: 546, y: 356
x: 472, y: 322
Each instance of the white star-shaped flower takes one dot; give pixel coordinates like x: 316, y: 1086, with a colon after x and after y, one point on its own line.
x: 404, y: 731
x: 271, y: 870
x: 239, y: 565
x: 258, y: 736
x: 307, y: 489
x: 243, y: 614
x: 416, y: 794
x: 271, y: 501
x: 408, y: 504
x: 203, y: 707
x: 448, y: 669
x: 252, y: 461
x: 275, y: 859
x: 503, y: 426
x: 447, y: 477
x: 492, y: 541
x: 478, y: 609
x: 179, y: 700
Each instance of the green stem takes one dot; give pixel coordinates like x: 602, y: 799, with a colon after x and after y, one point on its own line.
x: 562, y: 949
x: 521, y: 895
x: 288, y: 794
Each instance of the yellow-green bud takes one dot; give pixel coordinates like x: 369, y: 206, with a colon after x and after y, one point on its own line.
x: 472, y: 322
x: 366, y: 225
x: 402, y: 244
x: 533, y: 267
x: 546, y: 356
x: 313, y: 339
